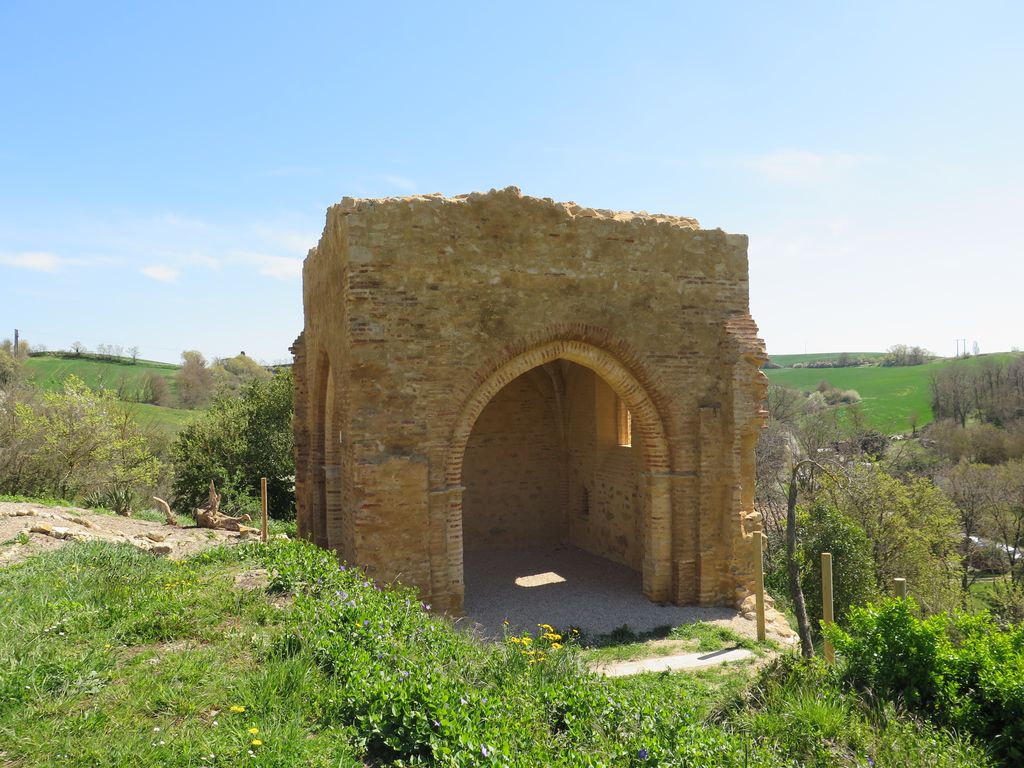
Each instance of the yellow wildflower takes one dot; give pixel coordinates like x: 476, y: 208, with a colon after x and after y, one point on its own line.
x: 555, y: 646
x: 257, y: 743
x: 254, y: 730
x: 236, y: 708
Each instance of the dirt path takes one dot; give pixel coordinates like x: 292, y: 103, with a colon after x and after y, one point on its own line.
x: 26, y: 529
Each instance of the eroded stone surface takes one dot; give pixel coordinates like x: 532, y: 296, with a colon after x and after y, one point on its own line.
x: 463, y: 374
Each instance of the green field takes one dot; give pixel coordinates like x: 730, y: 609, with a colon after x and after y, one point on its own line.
x: 789, y: 360
x: 888, y: 395
x: 50, y: 371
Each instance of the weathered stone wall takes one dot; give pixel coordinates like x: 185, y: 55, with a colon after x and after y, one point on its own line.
x: 418, y: 311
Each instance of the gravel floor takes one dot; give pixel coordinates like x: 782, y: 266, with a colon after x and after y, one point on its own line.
x: 596, y: 595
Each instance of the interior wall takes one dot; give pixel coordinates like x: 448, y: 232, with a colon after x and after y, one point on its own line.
x: 543, y: 466
x: 513, y: 470
x: 605, y: 502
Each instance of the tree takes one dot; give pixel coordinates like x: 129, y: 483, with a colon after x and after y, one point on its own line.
x: 951, y: 393
x: 11, y: 370
x: 972, y: 490
x: 912, y: 527
x: 77, y: 348
x: 195, y: 380
x: 232, y: 374
x: 129, y: 464
x: 155, y: 389
x: 1005, y: 520
x: 134, y: 352
x: 821, y: 527
x: 796, y: 592
x: 236, y: 442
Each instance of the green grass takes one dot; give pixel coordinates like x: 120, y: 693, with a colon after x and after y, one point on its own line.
x: 50, y: 371
x: 169, y: 421
x: 111, y: 657
x: 888, y: 395
x: 788, y: 360
x: 699, y: 637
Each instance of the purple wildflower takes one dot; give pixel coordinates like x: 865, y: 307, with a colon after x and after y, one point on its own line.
x: 642, y: 754
x: 484, y: 750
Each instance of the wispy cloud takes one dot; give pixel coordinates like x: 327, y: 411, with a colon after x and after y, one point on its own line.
x: 164, y: 246
x: 399, y: 182
x: 162, y: 273
x: 278, y: 267
x: 38, y: 261
x: 801, y: 167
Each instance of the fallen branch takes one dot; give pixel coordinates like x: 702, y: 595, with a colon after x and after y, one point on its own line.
x: 171, y: 518
x: 210, y: 516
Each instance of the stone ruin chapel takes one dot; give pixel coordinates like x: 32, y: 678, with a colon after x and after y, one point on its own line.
x: 496, y: 372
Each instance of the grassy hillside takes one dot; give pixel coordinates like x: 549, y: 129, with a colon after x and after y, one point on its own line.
x: 50, y: 371
x: 889, y: 395
x: 269, y: 655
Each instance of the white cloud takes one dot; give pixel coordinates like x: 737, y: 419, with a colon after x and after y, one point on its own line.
x: 799, y: 167
x: 279, y: 267
x: 39, y: 261
x: 162, y: 273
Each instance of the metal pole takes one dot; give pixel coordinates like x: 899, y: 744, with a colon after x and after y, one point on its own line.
x: 826, y: 601
x: 759, y: 583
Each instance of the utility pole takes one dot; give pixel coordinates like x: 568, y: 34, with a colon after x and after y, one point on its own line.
x: 15, y: 342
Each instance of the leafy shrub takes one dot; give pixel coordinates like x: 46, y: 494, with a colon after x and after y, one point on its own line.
x: 821, y: 527
x: 236, y: 442
x: 963, y: 671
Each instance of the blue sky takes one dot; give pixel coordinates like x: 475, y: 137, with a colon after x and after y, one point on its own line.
x: 164, y: 167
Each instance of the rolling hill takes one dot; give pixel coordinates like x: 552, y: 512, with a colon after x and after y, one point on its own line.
x: 888, y: 395
x: 119, y: 374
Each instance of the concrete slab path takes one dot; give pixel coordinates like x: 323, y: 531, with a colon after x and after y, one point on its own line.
x: 683, y: 661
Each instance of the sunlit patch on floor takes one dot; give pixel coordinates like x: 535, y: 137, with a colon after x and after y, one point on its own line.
x: 539, y: 579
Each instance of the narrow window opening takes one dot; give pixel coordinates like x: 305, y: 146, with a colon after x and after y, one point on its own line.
x: 625, y: 424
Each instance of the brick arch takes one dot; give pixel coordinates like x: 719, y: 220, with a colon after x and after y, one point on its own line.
x: 647, y: 421
x: 648, y: 426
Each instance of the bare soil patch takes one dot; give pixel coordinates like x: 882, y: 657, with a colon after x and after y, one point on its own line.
x: 27, y: 529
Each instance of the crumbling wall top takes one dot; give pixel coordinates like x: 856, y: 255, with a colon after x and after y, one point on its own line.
x: 349, y: 205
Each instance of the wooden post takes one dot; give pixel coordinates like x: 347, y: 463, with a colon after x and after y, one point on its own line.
x: 263, y: 504
x: 759, y: 583
x: 826, y: 602
x: 901, y: 588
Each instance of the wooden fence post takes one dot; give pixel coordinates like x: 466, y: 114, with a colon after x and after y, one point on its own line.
x: 759, y: 584
x: 263, y: 504
x: 826, y: 602
x: 901, y: 588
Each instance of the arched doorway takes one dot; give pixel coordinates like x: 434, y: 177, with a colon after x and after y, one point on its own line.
x: 561, y: 446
